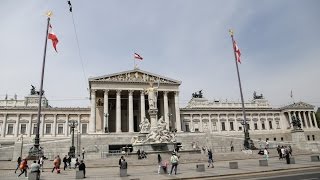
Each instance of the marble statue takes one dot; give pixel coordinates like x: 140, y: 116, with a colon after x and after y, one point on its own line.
x: 152, y: 96
x: 144, y: 126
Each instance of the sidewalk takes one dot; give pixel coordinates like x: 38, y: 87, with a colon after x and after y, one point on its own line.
x: 185, y: 170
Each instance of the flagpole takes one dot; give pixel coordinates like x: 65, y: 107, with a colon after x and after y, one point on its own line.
x: 245, y: 128
x: 36, y: 151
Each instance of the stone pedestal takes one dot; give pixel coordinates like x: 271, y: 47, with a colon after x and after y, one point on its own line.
x: 292, y: 160
x: 153, y: 117
x: 298, y: 138
x: 79, y: 175
x: 263, y: 163
x: 233, y: 165
x: 315, y: 158
x: 123, y: 172
x: 200, y: 168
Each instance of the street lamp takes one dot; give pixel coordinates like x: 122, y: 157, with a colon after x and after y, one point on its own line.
x: 72, y: 124
x: 106, y: 129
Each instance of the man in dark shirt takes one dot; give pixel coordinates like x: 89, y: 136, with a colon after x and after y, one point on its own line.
x: 65, y: 160
x: 82, y: 167
x: 18, y: 161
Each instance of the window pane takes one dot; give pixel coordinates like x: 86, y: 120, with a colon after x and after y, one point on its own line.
x: 23, y: 129
x: 10, y: 129
x: 48, y: 128
x: 60, y: 128
x: 84, y: 128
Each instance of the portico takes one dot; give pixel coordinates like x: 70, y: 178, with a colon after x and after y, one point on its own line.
x: 119, y: 101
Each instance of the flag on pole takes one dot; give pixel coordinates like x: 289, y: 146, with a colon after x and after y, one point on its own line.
x: 237, y: 51
x: 70, y: 6
x: 137, y: 56
x: 53, y: 38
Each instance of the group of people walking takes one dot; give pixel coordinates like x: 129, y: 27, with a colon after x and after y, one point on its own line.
x: 284, y: 152
x: 36, y: 166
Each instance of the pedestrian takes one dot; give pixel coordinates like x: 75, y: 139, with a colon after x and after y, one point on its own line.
x: 65, y: 161
x: 266, y: 154
x: 18, y: 161
x: 290, y: 150
x: 283, y: 153
x: 164, y: 166
x: 82, y: 167
x: 69, y: 161
x: 279, y: 152
x: 41, y: 162
x: 210, y: 159
x: 77, y: 162
x: 121, y: 160
x: 174, y: 163
x: 139, y: 153
x: 23, y: 167
x: 56, y: 164
x: 231, y: 147
x: 287, y: 155
x: 159, y: 163
x: 35, y: 168
x: 267, y: 144
x: 83, y: 152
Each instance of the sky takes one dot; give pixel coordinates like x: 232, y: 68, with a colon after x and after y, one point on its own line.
x: 186, y: 40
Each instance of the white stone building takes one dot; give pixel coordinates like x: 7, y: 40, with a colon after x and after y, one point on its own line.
x: 119, y: 102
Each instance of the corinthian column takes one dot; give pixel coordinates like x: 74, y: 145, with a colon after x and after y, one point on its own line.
x: 118, y: 112
x: 166, y: 108
x: 176, y: 101
x: 130, y: 111
x: 105, y: 110
x: 142, y: 105
x: 314, y: 119
x: 16, y: 132
x: 92, y: 122
x: 305, y: 119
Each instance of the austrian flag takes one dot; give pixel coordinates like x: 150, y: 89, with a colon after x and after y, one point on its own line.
x: 53, y: 38
x: 137, y: 56
x: 237, y: 51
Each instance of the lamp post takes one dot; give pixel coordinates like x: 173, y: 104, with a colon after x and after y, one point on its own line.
x: 106, y: 129
x: 72, y: 124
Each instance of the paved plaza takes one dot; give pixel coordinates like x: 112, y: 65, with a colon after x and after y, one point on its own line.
x: 101, y: 169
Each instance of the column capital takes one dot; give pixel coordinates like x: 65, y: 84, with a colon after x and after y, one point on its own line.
x: 130, y: 92
x: 106, y: 91
x: 165, y: 93
x: 93, y: 91
x: 118, y: 91
x: 176, y: 93
x: 141, y: 92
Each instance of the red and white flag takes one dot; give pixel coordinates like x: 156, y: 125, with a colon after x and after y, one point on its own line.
x: 53, y: 38
x: 237, y: 51
x: 137, y: 56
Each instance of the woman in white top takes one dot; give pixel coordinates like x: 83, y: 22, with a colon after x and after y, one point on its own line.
x: 266, y: 154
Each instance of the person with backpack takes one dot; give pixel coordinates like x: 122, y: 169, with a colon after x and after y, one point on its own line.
x: 174, y: 163
x: 23, y: 167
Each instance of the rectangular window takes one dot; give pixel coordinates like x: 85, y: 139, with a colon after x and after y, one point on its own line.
x: 278, y: 124
x: 48, y: 128
x: 223, y: 126
x: 34, y: 129
x: 308, y: 137
x: 187, y: 128
x: 255, y: 126
x: 313, y: 138
x: 274, y: 139
x: 240, y: 128
x: 231, y: 126
x: 60, y: 128
x: 23, y: 129
x: 10, y: 129
x: 263, y: 125
x: 214, y: 126
x: 270, y: 124
x: 84, y: 128
x: 281, y: 138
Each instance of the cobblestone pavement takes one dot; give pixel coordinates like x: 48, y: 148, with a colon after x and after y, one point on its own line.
x: 147, y: 172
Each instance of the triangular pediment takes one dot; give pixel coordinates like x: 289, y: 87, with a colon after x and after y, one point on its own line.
x: 135, y: 75
x: 299, y: 105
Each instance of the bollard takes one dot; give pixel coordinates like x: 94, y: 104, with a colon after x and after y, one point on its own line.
x: 33, y: 176
x: 200, y: 168
x: 315, y: 158
x: 233, y: 165
x: 79, y: 175
x: 292, y: 160
x: 123, y: 173
x: 263, y: 162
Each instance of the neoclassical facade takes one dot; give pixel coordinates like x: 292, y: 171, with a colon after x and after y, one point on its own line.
x: 119, y: 102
